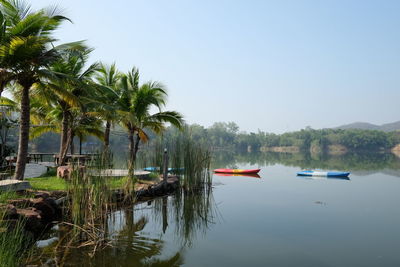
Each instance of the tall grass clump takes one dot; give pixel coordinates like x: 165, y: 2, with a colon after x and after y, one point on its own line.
x: 196, y: 165
x: 15, y: 243
x: 90, y: 199
x: 192, y: 159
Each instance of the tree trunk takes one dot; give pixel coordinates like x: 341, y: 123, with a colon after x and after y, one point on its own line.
x: 23, y: 133
x: 64, y: 135
x: 80, y: 145
x: 136, y: 147
x: 131, y: 151
x: 63, y: 153
x: 107, y: 135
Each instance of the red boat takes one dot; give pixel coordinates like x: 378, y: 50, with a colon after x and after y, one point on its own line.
x: 237, y: 171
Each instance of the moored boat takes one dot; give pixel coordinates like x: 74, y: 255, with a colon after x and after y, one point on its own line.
x: 151, y: 169
x: 237, y: 171
x: 323, y: 173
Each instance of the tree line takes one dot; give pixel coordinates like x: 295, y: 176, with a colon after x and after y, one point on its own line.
x: 227, y: 136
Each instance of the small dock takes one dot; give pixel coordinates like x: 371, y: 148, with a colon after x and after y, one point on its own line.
x: 32, y: 170
x: 122, y: 172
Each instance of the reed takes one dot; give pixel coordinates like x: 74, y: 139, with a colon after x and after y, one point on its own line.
x: 90, y: 198
x: 191, y: 159
x: 151, y: 155
x: 15, y: 243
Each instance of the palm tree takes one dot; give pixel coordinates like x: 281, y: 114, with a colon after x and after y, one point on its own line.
x: 69, y: 91
x: 134, y: 106
x: 48, y: 119
x: 108, y: 77
x: 25, y: 51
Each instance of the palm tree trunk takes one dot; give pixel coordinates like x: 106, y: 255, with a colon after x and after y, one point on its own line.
x: 64, y: 135
x: 131, y: 151
x: 64, y: 151
x: 107, y: 135
x: 136, y: 147
x: 23, y: 133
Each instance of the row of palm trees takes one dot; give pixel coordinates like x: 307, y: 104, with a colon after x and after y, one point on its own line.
x: 54, y: 88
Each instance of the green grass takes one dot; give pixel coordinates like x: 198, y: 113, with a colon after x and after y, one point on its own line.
x: 53, y: 183
x: 50, y: 182
x: 4, y: 196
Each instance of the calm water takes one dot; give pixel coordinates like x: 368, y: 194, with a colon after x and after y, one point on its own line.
x: 276, y: 220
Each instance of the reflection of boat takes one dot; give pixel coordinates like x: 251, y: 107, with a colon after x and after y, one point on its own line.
x: 254, y: 175
x: 154, y: 169
x: 237, y: 171
x: 324, y: 174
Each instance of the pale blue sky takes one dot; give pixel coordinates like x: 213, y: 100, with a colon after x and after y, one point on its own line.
x: 269, y: 65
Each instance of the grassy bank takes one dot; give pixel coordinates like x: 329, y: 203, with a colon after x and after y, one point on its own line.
x: 50, y: 182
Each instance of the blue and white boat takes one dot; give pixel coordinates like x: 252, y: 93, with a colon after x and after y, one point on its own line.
x: 151, y: 169
x: 324, y: 174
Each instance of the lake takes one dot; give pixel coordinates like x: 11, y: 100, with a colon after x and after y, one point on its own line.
x: 278, y: 219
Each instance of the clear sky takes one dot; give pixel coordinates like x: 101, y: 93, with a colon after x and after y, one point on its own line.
x: 270, y: 65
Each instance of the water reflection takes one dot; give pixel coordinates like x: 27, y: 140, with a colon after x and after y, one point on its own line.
x: 193, y: 213
x: 154, y: 233
x: 323, y: 178
x: 359, y: 163
x: 238, y: 175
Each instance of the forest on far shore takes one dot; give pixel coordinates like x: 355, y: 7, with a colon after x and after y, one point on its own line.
x: 227, y: 136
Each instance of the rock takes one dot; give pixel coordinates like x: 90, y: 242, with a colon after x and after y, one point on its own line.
x: 58, y: 194
x: 20, y: 203
x: 48, y: 208
x: 10, y: 212
x: 161, y: 189
x: 43, y: 195
x: 63, y: 171
x: 33, y: 219
x: 47, y: 212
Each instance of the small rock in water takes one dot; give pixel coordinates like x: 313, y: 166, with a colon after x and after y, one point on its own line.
x: 45, y: 243
x: 320, y: 202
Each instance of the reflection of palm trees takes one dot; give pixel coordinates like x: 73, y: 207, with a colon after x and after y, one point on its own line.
x: 190, y: 214
x: 131, y: 247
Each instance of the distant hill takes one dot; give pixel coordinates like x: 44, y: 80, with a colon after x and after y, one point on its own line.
x: 388, y: 127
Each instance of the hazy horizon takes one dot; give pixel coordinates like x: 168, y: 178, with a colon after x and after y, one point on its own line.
x: 276, y: 66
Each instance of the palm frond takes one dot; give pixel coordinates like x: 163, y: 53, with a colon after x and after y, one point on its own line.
x: 39, y: 130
